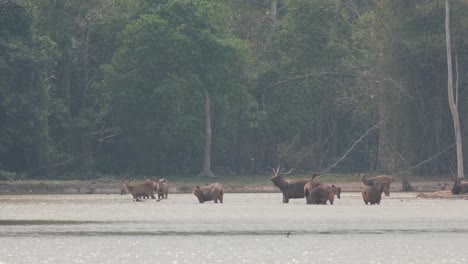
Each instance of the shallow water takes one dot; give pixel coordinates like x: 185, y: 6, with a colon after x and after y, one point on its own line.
x: 247, y: 228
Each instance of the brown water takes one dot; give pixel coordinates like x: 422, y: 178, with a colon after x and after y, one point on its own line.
x: 247, y: 228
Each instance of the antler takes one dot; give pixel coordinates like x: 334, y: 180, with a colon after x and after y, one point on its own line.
x: 277, y: 172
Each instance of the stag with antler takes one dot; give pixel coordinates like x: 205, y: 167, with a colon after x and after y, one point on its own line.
x: 291, y: 189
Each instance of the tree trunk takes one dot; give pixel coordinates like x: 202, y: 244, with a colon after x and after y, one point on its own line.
x: 385, y: 160
x: 453, y: 102
x: 207, y: 161
x: 41, y: 146
x: 37, y: 151
x: 80, y: 130
x: 274, y: 9
x: 406, y: 185
x: 239, y: 143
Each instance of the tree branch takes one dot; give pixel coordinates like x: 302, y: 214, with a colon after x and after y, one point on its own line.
x: 456, y: 81
x: 351, y: 148
x: 427, y: 160
x: 312, y: 74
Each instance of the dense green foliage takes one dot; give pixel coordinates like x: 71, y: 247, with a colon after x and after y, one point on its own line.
x: 118, y: 86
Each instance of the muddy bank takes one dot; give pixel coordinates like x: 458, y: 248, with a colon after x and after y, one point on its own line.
x: 445, y: 194
x: 62, y: 188
x: 92, y: 187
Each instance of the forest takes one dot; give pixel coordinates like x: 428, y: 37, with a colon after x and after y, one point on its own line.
x: 117, y: 87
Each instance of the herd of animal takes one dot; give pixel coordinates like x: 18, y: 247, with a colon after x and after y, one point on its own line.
x: 321, y: 193
x: 213, y: 192
x: 314, y: 192
x: 146, y: 189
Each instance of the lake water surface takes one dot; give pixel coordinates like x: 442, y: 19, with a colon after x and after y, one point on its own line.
x: 247, y: 228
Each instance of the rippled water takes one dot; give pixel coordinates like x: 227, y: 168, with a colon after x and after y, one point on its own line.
x: 247, y: 228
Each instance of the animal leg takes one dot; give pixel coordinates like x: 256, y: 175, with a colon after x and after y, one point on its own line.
x: 365, y: 198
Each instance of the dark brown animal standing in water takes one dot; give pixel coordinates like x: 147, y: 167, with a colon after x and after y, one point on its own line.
x: 459, y: 187
x: 372, y: 194
x: 162, y: 188
x: 147, y: 196
x: 291, y: 189
x: 383, y: 180
x: 213, y: 192
x: 320, y: 194
x: 309, y: 186
x: 141, y: 190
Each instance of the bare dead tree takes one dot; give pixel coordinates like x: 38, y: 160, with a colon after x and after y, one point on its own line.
x: 207, y: 159
x: 453, y: 97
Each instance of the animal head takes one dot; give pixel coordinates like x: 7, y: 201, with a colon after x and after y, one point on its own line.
x: 126, y: 182
x: 316, y: 175
x: 337, y: 191
x: 126, y: 185
x: 278, y: 175
x: 363, y: 176
x: 163, y: 180
x: 198, y: 193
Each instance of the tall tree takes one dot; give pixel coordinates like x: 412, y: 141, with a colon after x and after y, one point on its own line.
x: 207, y: 157
x: 25, y: 54
x: 453, y: 102
x: 86, y: 35
x: 402, y: 43
x: 304, y: 112
x: 89, y: 12
x: 184, y: 50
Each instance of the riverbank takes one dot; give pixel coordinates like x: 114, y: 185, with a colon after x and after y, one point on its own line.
x: 232, y: 184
